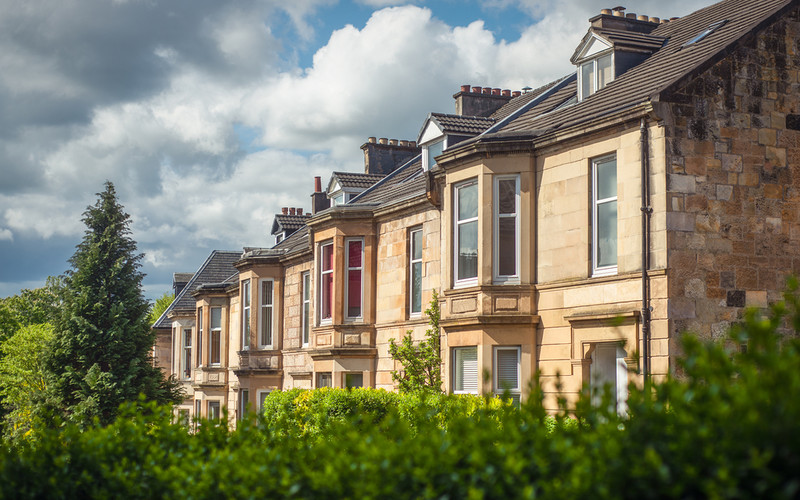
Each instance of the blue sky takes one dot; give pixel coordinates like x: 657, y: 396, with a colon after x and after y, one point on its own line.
x: 209, y: 116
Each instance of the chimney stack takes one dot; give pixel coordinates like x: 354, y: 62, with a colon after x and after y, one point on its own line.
x: 319, y: 199
x: 480, y: 101
x: 387, y: 154
x: 618, y: 19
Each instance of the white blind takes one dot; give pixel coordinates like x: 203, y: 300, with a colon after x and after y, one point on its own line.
x: 507, y: 369
x: 466, y: 366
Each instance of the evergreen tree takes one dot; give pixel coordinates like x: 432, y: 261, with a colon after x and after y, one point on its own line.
x: 102, y: 351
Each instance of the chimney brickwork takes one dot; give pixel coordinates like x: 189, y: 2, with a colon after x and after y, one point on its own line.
x: 478, y: 101
x: 319, y: 199
x: 384, y: 155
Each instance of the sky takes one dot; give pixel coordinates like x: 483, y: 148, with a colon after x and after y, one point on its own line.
x: 209, y: 116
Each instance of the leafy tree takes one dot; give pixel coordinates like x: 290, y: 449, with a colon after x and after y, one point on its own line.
x: 422, y: 362
x: 30, y: 307
x: 22, y: 375
x: 161, y: 305
x: 102, y: 353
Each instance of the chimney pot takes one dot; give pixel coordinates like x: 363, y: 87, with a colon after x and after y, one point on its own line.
x: 393, y: 142
x: 412, y: 144
x: 516, y: 93
x: 506, y: 93
x: 605, y: 11
x: 371, y: 140
x: 630, y: 16
x: 298, y: 211
x: 476, y: 90
x: 496, y: 91
x: 318, y: 182
x: 487, y: 90
x: 641, y: 17
x: 284, y: 210
x: 291, y: 211
x: 465, y: 88
x: 383, y: 140
x: 619, y: 13
x: 655, y: 20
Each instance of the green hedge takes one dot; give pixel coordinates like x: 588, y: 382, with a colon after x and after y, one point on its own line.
x: 728, y: 428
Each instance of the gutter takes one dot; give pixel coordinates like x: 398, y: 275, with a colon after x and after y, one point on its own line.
x: 647, y: 212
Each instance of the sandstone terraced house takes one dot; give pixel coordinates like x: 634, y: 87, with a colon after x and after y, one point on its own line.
x: 577, y: 228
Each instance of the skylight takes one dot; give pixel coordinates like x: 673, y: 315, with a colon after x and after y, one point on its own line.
x: 705, y: 33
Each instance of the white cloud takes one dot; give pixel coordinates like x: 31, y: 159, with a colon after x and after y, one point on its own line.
x: 6, y: 234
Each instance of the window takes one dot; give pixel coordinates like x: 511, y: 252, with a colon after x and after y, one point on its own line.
x: 466, y: 233
x: 306, y: 279
x: 183, y: 417
x: 337, y: 200
x: 324, y: 380
x: 215, y: 340
x: 266, y: 327
x: 262, y: 398
x: 355, y: 267
x: 213, y: 410
x: 465, y: 370
x: 595, y: 74
x: 244, y: 402
x: 186, y: 360
x: 506, y: 228
x: 199, y: 337
x: 197, y: 406
x: 506, y: 372
x: 604, y: 216
x: 712, y: 28
x: 353, y: 380
x: 246, y: 314
x: 415, y: 271
x: 433, y: 150
x: 609, y: 372
x: 326, y: 280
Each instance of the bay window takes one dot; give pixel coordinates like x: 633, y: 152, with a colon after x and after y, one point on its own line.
x: 604, y: 216
x: 506, y: 228
x: 415, y: 271
x: 246, y: 314
x: 306, y: 319
x: 465, y: 370
x: 266, y: 324
x: 355, y: 274
x: 466, y: 233
x: 199, y: 336
x: 326, y: 282
x: 186, y: 358
x: 215, y: 337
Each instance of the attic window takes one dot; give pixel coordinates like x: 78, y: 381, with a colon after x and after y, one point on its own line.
x: 595, y: 74
x: 431, y: 151
x: 712, y: 28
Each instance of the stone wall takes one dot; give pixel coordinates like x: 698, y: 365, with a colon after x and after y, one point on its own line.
x: 733, y: 159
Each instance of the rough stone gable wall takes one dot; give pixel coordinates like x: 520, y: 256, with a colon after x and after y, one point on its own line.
x: 733, y: 160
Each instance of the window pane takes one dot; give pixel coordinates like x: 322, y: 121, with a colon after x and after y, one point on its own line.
x: 266, y: 292
x: 354, y: 293
x: 327, y: 293
x: 434, y: 150
x: 466, y: 369
x: 306, y: 286
x: 306, y: 317
x: 416, y: 287
x: 507, y: 369
x: 607, y: 234
x: 215, y: 347
x: 352, y: 380
x: 507, y: 246
x: 262, y: 398
x: 216, y: 317
x: 468, y: 201
x: 604, y: 71
x: 507, y: 194
x: 587, y: 80
x: 246, y: 329
x: 266, y: 326
x: 606, y: 179
x: 324, y: 380
x: 213, y: 410
x: 244, y: 402
x: 468, y: 250
x: 416, y: 245
x: 354, y: 254
x: 327, y: 257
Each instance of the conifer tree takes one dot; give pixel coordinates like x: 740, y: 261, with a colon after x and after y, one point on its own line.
x: 102, y: 351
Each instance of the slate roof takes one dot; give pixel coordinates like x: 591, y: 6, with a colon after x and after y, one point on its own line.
x: 289, y: 223
x: 296, y: 242
x: 666, y: 68
x: 518, y: 102
x: 620, y: 39
x: 354, y: 180
x: 404, y: 183
x: 217, y: 268
x: 461, y: 125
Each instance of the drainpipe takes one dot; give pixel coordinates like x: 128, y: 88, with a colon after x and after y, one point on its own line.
x: 647, y: 211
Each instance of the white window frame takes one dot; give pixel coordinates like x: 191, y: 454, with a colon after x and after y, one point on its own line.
x: 515, y: 392
x: 601, y: 375
x: 347, y: 316
x: 428, y: 161
x: 218, y: 404
x: 498, y: 278
x: 595, y: 74
x: 199, y: 336
x: 305, y: 308
x: 455, y: 368
x: 596, y: 269
x: 321, y: 283
x: 247, y: 316
x: 261, y: 310
x: 411, y: 261
x: 458, y: 283
x: 186, y: 353
x: 317, y: 379
x: 211, y: 331
x: 259, y: 394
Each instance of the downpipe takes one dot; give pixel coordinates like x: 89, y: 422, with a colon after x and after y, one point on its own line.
x: 647, y: 212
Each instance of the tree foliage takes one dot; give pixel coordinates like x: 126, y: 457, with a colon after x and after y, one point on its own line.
x: 102, y: 353
x: 161, y: 305
x: 30, y: 307
x: 422, y: 362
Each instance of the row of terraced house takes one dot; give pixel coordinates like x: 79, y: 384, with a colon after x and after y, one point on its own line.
x: 576, y: 229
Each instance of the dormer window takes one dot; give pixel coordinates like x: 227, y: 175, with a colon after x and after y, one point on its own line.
x: 595, y: 74
x: 431, y: 151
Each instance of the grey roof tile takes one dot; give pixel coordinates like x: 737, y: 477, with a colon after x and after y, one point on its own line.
x: 355, y: 180
x: 461, y: 125
x: 290, y: 223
